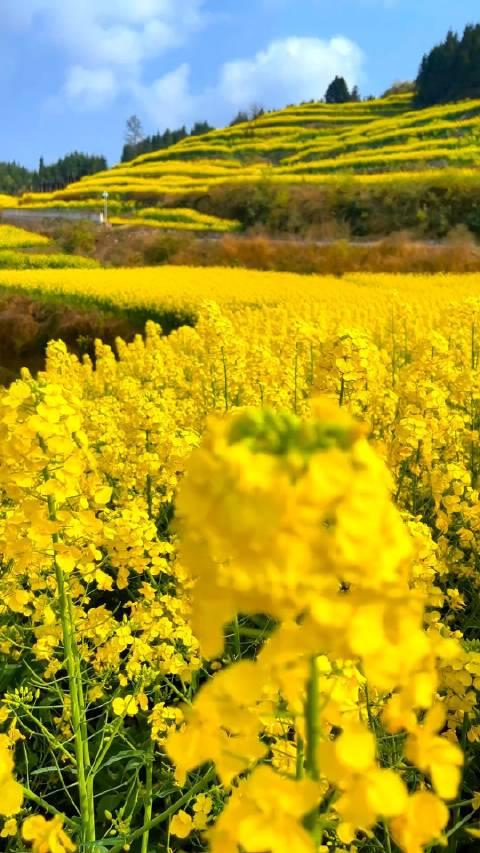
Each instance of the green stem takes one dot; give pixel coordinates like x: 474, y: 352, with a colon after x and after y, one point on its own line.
x: 89, y: 777
x: 54, y: 743
x: 300, y: 765
x: 236, y: 638
x: 312, y: 731
x: 455, y: 829
x: 312, y: 720
x: 102, y: 752
x: 369, y: 709
x: 161, y: 818
x: 149, y: 491
x: 148, y: 799
x: 85, y: 789
x: 388, y: 843
x: 67, y: 630
x: 47, y: 807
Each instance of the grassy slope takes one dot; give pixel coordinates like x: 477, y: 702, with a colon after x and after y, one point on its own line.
x: 309, y: 143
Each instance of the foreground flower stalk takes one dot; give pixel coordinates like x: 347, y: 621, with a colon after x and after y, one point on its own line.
x: 331, y: 563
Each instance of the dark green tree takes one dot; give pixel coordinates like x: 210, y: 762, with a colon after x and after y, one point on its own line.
x: 14, y: 178
x: 158, y: 140
x: 72, y: 167
x: 451, y: 71
x: 338, y: 92
x: 201, y: 127
x: 240, y: 118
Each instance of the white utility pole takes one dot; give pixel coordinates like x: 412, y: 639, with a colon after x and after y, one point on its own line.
x: 105, y: 207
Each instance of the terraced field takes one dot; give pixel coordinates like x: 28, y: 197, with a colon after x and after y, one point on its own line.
x: 384, y: 145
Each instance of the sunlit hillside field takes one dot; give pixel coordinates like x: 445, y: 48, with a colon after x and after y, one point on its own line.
x: 299, y: 142
x: 12, y: 237
x: 382, y: 145
x: 14, y: 241
x: 240, y: 568
x: 315, y: 170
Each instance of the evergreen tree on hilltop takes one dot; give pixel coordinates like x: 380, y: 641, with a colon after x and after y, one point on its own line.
x: 467, y: 69
x: 72, y: 167
x: 338, y: 92
x: 200, y: 127
x: 15, y: 178
x: 157, y: 141
x: 66, y: 170
x: 241, y: 118
x: 451, y: 71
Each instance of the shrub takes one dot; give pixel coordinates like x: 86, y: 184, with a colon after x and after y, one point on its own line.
x: 77, y: 237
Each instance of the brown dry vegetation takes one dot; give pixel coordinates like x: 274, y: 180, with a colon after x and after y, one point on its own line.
x: 27, y: 324
x: 324, y: 248
x: 397, y: 253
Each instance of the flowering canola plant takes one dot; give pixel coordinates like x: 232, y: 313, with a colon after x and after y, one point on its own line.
x: 12, y: 237
x: 239, y: 569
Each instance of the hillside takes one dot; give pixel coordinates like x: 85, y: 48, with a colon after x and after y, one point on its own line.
x: 371, y: 144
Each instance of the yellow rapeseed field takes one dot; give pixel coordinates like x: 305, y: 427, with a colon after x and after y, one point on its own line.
x: 240, y: 569
x: 373, y: 143
x: 12, y: 237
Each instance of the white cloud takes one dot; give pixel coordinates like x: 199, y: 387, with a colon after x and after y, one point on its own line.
x: 287, y: 71
x: 168, y: 100
x: 93, y: 88
x: 97, y: 29
x: 291, y: 70
x: 97, y: 36
x: 107, y: 45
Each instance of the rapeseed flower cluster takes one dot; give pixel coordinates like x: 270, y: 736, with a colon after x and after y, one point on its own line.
x: 331, y: 564
x: 250, y: 544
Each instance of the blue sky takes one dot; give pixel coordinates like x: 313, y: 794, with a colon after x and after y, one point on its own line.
x: 72, y: 71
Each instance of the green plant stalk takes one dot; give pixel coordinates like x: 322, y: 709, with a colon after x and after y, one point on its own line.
x: 89, y: 777
x: 300, y: 763
x: 236, y: 637
x: 388, y: 843
x: 86, y: 802
x: 148, y: 799
x: 148, y: 482
x: 54, y: 743
x: 312, y: 718
x: 85, y: 790
x: 102, y: 752
x: 149, y: 495
x: 47, y: 807
x: 312, y: 730
x: 161, y: 818
x: 371, y: 722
